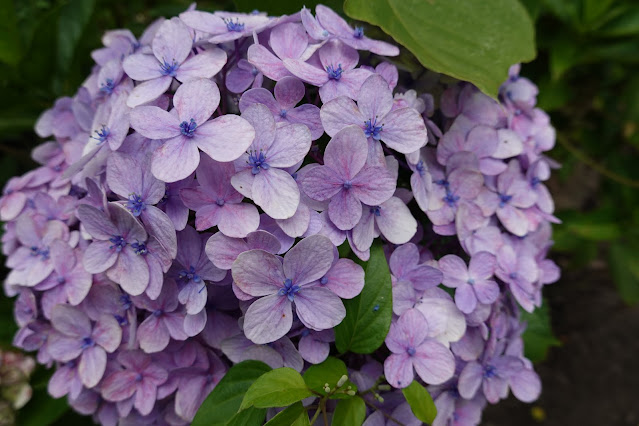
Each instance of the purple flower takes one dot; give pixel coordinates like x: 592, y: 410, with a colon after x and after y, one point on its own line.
x: 280, y: 353
x: 171, y: 47
x: 242, y: 76
x: 472, y: 284
x: 337, y: 27
x: 132, y: 180
x: 74, y: 336
x: 65, y: 380
x: 538, y: 172
x: 336, y: 75
x: 138, y: 380
x: 314, y: 346
x: 519, y: 271
x: 217, y: 203
x: 165, y: 320
x: 260, y: 176
x: 278, y: 284
x: 289, y: 91
x: 172, y: 204
x: 406, y: 268
x: 223, y: 250
x: 411, y: 347
x: 224, y: 139
x: 481, y: 140
x: 225, y: 26
x: 345, y: 278
x: 195, y: 384
x: 392, y: 219
x: 14, y: 197
x: 492, y: 375
x: 402, y: 129
x: 110, y: 125
x: 110, y: 80
x: 346, y: 180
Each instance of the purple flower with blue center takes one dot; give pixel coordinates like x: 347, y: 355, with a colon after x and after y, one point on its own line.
x: 392, y: 219
x: 171, y: 48
x: 225, y: 26
x: 401, y: 129
x: 346, y: 180
x: 278, y: 284
x: 260, y: 175
x: 242, y: 76
x: 412, y: 348
x: 223, y: 139
x: 520, y: 272
x: 74, y: 336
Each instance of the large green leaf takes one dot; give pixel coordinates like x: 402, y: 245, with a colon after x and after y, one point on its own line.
x: 277, y: 388
x: 538, y: 337
x: 329, y: 371
x: 368, y: 316
x: 350, y: 412
x: 289, y: 416
x: 420, y: 401
x: 471, y: 40
x: 222, y: 404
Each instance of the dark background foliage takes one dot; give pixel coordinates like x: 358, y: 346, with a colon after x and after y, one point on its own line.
x: 587, y: 70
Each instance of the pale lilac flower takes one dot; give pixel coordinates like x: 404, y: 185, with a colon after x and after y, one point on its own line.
x: 110, y: 125
x: 411, y: 347
x: 336, y: 75
x: 345, y: 278
x: 75, y: 337
x: 172, y: 204
x: 406, y: 269
x: 392, y: 219
x: 402, y: 129
x: 278, y: 284
x: 481, y: 140
x: 138, y: 380
x: 171, y: 47
x: 277, y: 354
x: 421, y: 181
x: 224, y: 138
x: 315, y: 346
x: 65, y: 380
x: 288, y: 91
x: 58, y: 121
x: 223, y: 250
x: 195, y: 384
x: 538, y: 172
x: 225, y: 26
x: 472, y: 284
x: 242, y: 76
x: 14, y: 197
x: 346, y: 180
x: 519, y: 272
x: 492, y: 375
x: 48, y: 207
x: 260, y: 174
x: 217, y: 203
x: 111, y: 81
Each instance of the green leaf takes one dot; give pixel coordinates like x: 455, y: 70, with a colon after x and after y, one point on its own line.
x: 250, y: 417
x: 538, y: 337
x: 420, y: 401
x: 10, y: 43
x: 74, y: 17
x: 277, y: 388
x: 349, y: 412
x: 225, y: 400
x: 282, y: 7
x: 471, y: 40
x: 624, y: 265
x: 329, y: 371
x: 626, y: 24
x: 289, y: 416
x: 368, y: 316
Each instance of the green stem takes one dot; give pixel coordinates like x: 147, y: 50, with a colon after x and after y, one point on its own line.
x: 316, y: 415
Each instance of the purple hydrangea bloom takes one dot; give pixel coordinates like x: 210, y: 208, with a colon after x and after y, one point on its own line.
x: 225, y: 26
x: 224, y: 138
x: 492, y: 375
x: 392, y: 219
x: 223, y: 250
x: 314, y: 346
x: 172, y: 204
x: 242, y: 76
x: 279, y: 284
x: 346, y: 180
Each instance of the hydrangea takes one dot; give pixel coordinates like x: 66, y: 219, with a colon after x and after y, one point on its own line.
x: 188, y: 205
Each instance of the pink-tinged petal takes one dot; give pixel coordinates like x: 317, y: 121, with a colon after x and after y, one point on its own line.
x: 389, y: 72
x: 525, y: 385
x: 348, y: 85
x: 99, y: 257
x: 268, y: 319
x: 313, y: 350
x: 152, y: 334
x: 131, y: 272
x: 321, y: 183
x: 145, y: 397
x: 465, y: 298
x: 346, y: 152
x: 306, y: 72
x: 345, y: 210
x: 196, y: 100
x: 319, y: 308
x: 364, y: 232
x: 154, y: 123
x: 482, y: 140
x: 269, y: 64
x: 107, y: 333
x: 288, y: 40
x: 298, y: 224
x: 225, y: 138
x: 258, y: 273
x: 487, y: 291
x: 309, y: 115
x: 160, y: 226
x: 260, y: 96
x: 63, y: 348
x: 309, y: 260
x: 339, y: 113
x: 433, y: 362
x: 291, y: 144
x: 482, y: 265
x: 395, y: 221
x: 470, y: 379
x: 190, y: 395
x: 377, y: 46
x: 330, y: 20
x: 70, y: 321
x: 142, y: 67
x: 238, y: 220
x: 119, y: 386
x: 288, y: 92
x: 92, y: 366
x: 276, y: 192
x: 223, y: 250
x: 205, y: 64
x: 403, y: 259
x: 513, y: 219
x: 334, y: 54
x: 172, y: 42
x: 197, y: 199
x: 404, y: 130
x: 11, y: 205
x: 264, y: 241
x: 204, y: 21
x: 261, y: 118
x: 373, y: 185
x: 60, y: 383
x: 194, y: 323
x: 375, y: 99
x: 148, y: 91
x: 454, y: 269
x: 398, y: 370
x: 95, y: 222
x: 491, y: 166
x: 175, y: 160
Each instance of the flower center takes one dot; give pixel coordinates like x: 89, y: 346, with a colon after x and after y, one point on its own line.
x: 471, y: 281
x: 535, y: 181
x: 504, y: 199
x: 158, y: 312
x: 87, y: 342
x: 42, y: 252
x: 376, y: 211
x: 126, y: 301
x: 165, y: 197
x: 324, y: 280
x: 450, y: 198
x: 190, y: 275
x: 219, y: 202
x: 283, y: 113
x: 102, y: 134
x: 421, y: 169
x: 136, y: 204
x: 107, y: 87
x: 490, y: 371
x: 334, y: 73
x: 411, y: 351
x: 139, y: 248
x: 358, y: 32
x: 188, y: 128
x: 257, y: 160
x: 289, y: 289
x: 118, y: 243
x: 169, y: 68
x: 138, y: 377
x: 372, y: 130
x: 348, y: 184
x: 234, y: 26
